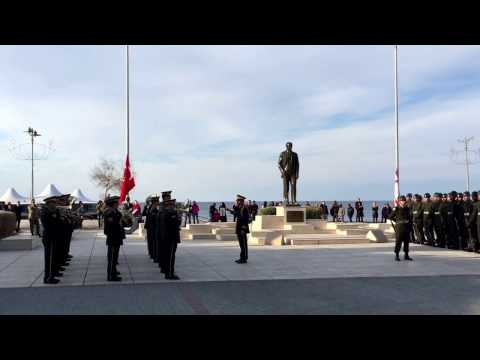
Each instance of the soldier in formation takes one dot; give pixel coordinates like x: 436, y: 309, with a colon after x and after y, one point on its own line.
x: 450, y: 220
x: 163, y: 223
x: 113, y: 229
x: 58, y: 225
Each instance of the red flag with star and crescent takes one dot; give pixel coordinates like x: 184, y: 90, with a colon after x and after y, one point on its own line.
x: 128, y: 182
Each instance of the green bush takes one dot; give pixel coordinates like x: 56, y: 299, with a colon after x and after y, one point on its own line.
x: 268, y: 211
x: 313, y: 213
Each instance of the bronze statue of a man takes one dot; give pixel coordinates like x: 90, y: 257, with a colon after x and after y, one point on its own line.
x: 289, y: 168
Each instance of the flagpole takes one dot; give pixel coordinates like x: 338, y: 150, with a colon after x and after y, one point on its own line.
x: 127, y: 103
x: 397, y: 157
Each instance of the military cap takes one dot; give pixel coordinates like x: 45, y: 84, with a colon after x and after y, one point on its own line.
x: 50, y: 199
x: 164, y: 193
x: 474, y: 193
x: 112, y: 200
x: 402, y: 198
x: 438, y: 194
x: 240, y: 197
x: 460, y: 194
x: 418, y: 196
x: 453, y: 193
x: 445, y: 195
x: 409, y: 195
x: 427, y: 195
x: 467, y: 193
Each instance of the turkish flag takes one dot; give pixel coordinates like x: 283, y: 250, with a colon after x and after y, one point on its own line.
x: 128, y: 182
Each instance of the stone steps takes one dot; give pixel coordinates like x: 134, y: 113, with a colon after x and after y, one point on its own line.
x: 320, y: 239
x: 203, y: 237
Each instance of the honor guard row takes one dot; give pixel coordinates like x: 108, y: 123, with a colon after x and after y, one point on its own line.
x: 448, y: 220
x: 162, y: 224
x: 58, y: 223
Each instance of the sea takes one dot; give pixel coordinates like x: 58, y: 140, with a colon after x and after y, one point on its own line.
x: 367, y: 205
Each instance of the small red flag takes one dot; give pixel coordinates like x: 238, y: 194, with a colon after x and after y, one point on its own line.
x: 128, y: 182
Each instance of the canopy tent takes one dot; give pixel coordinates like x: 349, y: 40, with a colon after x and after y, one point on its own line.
x: 80, y: 196
x: 50, y: 190
x: 12, y: 196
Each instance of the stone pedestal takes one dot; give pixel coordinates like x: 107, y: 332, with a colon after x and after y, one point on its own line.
x: 293, y: 214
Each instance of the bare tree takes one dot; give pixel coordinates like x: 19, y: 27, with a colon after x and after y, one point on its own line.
x: 106, y: 175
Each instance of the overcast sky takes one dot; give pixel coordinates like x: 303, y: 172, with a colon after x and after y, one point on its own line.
x: 210, y: 121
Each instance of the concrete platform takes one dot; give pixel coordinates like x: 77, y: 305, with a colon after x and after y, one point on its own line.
x: 21, y: 241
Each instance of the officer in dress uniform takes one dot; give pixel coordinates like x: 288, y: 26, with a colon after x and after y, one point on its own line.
x: 50, y: 218
x: 402, y: 217
x: 462, y: 228
x: 172, y: 221
x: 428, y: 220
x: 115, y: 232
x: 241, y: 228
x: 413, y: 238
x: 417, y: 217
x: 437, y: 220
x: 151, y: 223
x: 161, y: 246
x: 467, y: 210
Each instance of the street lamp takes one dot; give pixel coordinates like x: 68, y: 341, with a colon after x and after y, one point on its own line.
x: 33, y: 134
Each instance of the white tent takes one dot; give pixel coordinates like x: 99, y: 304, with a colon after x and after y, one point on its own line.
x: 12, y: 196
x: 80, y: 196
x: 50, y: 190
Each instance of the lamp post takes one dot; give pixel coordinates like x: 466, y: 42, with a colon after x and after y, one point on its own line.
x: 33, y: 134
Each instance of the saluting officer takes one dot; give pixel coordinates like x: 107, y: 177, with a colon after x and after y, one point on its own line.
x: 402, y: 217
x: 171, y: 223
x: 428, y: 219
x: 50, y: 218
x: 115, y: 232
x: 241, y: 228
x: 437, y: 220
x: 417, y: 217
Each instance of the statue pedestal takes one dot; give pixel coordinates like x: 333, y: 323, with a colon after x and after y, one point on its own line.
x: 293, y: 214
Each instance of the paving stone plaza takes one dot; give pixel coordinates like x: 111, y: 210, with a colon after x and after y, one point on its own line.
x: 315, y: 279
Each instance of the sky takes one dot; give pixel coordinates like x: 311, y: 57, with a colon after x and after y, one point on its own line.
x: 209, y: 122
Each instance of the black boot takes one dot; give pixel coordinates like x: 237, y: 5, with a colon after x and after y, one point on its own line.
x: 397, y: 258
x: 408, y: 257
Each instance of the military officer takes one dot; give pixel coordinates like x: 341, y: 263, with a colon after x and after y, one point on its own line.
x: 437, y: 220
x: 428, y: 219
x: 413, y: 238
x: 171, y: 223
x: 241, y: 228
x: 417, y: 217
x: 161, y: 247
x: 402, y: 217
x: 151, y: 224
x: 115, y: 232
x: 462, y: 228
x: 50, y: 218
x: 473, y: 222
x: 451, y: 221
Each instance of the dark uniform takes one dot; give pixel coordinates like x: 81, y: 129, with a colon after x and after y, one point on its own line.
x: 241, y: 229
x: 469, y: 229
x: 403, y: 224
x: 462, y: 228
x: 171, y: 225
x: 115, y: 234
x: 409, y: 204
x: 452, y: 215
x: 428, y: 220
x: 417, y: 218
x: 473, y: 222
x: 50, y: 217
x: 437, y: 220
x: 151, y: 225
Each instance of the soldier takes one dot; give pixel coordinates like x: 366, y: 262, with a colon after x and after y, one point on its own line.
x: 437, y: 220
x: 33, y: 218
x: 451, y: 221
x: 171, y: 223
x: 50, y: 218
x: 409, y: 204
x: 428, y: 219
x: 115, y: 234
x: 150, y: 223
x: 402, y: 217
x: 161, y: 247
x: 417, y: 217
x: 472, y: 223
x: 462, y: 228
x: 241, y: 228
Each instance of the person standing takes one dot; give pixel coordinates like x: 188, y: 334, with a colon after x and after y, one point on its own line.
x: 462, y: 228
x: 50, y: 217
x: 350, y: 212
x: 409, y: 205
x: 172, y: 222
x: 99, y: 209
x: 471, y: 222
x: 241, y: 228
x: 115, y: 233
x: 384, y: 213
x: 151, y: 225
x: 375, y: 212
x: 438, y: 220
x: 402, y: 217
x: 476, y: 213
x: 33, y: 218
x: 17, y: 209
x: 428, y: 220
x: 195, y: 211
x: 417, y: 219
x: 254, y: 210
x: 223, y: 212
x: 212, y: 210
x: 341, y: 213
x: 451, y: 221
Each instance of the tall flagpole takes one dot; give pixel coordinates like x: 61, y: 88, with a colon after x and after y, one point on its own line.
x: 127, y: 103
x: 397, y: 157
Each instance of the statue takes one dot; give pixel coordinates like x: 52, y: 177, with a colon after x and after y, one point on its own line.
x: 289, y: 168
